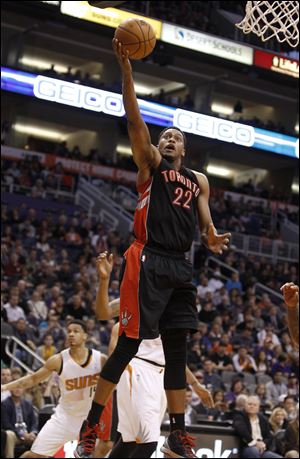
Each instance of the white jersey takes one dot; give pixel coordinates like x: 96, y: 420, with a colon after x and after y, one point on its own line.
x: 78, y: 382
x: 152, y: 350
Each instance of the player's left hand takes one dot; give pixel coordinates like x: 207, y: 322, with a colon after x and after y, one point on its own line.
x: 204, y: 395
x: 214, y: 241
x: 105, y: 265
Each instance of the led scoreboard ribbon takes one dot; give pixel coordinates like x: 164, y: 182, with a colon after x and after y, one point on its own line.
x: 110, y: 103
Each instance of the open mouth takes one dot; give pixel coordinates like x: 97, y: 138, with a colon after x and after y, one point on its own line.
x: 170, y: 147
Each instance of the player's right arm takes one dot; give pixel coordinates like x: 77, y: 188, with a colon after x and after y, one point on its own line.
x: 290, y: 293
x: 26, y: 382
x: 145, y: 155
x: 105, y: 310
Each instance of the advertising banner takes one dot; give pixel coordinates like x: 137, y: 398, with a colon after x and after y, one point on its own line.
x: 208, y: 44
x: 276, y: 63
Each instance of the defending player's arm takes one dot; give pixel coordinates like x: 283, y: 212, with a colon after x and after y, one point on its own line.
x: 209, y: 236
x: 113, y: 338
x: 26, y: 382
x: 145, y: 155
x: 200, y: 390
x: 105, y: 310
x: 290, y: 293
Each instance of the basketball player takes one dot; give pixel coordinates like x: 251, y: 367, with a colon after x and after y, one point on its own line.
x: 140, y: 392
x: 290, y: 293
x: 78, y: 368
x: 156, y: 293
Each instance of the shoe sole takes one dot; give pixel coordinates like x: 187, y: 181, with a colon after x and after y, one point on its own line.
x: 168, y: 452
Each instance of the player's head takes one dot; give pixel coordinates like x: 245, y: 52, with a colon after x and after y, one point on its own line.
x: 76, y: 333
x: 171, y: 144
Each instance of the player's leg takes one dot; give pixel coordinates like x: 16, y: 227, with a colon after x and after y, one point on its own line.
x: 123, y: 449
x: 179, y: 316
x: 144, y: 450
x: 31, y: 454
x: 109, y: 377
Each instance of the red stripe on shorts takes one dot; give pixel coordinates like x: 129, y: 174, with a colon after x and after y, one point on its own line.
x: 129, y: 292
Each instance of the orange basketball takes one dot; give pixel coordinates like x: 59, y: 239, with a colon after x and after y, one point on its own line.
x: 137, y: 36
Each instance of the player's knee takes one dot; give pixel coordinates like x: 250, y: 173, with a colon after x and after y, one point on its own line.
x: 125, y: 351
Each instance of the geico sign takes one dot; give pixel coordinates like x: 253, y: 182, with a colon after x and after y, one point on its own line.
x: 215, y: 128
x: 78, y: 96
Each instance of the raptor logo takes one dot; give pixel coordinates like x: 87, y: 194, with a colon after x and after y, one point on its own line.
x: 125, y: 318
x: 102, y: 426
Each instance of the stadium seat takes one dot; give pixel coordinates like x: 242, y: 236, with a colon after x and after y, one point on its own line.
x: 263, y: 379
x: 228, y: 376
x: 249, y: 379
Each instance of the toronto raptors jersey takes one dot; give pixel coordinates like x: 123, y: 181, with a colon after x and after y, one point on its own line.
x: 152, y: 350
x: 78, y: 382
x: 165, y: 217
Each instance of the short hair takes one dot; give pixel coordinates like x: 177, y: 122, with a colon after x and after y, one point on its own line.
x: 78, y: 322
x: 254, y: 397
x: 177, y: 129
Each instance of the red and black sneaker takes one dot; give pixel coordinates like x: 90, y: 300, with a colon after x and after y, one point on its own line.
x: 179, y: 444
x: 87, y: 440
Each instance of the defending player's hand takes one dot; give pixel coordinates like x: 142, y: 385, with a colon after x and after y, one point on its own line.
x: 122, y: 56
x: 204, y: 395
x: 3, y: 388
x: 290, y: 293
x: 105, y: 265
x: 214, y: 241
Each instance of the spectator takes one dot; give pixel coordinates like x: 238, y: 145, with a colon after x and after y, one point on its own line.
x: 5, y: 378
x: 19, y: 421
x: 203, y: 287
x: 275, y: 388
x: 190, y: 415
x: 13, y: 311
x: 211, y: 379
x: 290, y: 407
x: 254, y: 431
x: 242, y: 361
x: 93, y: 333
x: 194, y: 355
x: 237, y: 388
x: 37, y: 307
x: 278, y: 420
x: 267, y: 335
x: 46, y: 350
x: 25, y: 334
x: 292, y: 438
x: 234, y: 282
x: 261, y: 392
x: 262, y: 363
x: 76, y: 308
x: 221, y: 360
x: 221, y: 406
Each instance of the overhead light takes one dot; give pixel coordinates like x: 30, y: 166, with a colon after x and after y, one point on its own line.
x: 141, y: 89
x: 295, y: 188
x: 219, y: 171
x: 222, y: 109
x: 297, y: 128
x: 39, y: 132
x: 41, y: 64
x: 124, y: 150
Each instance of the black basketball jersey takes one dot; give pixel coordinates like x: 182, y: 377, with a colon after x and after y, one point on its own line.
x: 165, y: 217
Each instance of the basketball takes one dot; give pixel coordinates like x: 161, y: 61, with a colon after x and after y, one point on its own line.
x: 137, y: 37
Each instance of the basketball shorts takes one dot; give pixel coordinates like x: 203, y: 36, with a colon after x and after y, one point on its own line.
x: 141, y: 401
x: 58, y: 430
x: 156, y: 293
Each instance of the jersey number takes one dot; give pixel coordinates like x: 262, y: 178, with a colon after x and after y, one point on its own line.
x: 92, y: 390
x: 183, y: 198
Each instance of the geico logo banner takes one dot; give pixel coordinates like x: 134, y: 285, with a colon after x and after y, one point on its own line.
x: 79, y: 96
x: 215, y: 128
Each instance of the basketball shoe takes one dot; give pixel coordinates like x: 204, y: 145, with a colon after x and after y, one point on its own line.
x: 179, y: 444
x: 87, y: 440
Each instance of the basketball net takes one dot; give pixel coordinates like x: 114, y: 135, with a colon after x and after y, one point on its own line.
x: 272, y: 19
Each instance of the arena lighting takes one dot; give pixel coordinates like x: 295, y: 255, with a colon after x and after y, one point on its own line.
x: 124, y: 150
x: 42, y: 65
x: 297, y: 128
x: 110, y: 103
x: 219, y: 171
x: 40, y: 132
x: 295, y: 188
x: 222, y: 109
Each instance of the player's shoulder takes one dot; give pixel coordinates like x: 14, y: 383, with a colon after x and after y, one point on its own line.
x: 202, y: 179
x: 54, y: 362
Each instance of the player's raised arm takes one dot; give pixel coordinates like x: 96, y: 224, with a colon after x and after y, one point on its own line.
x: 209, y: 236
x: 26, y: 382
x: 105, y: 310
x: 145, y: 155
x: 290, y: 293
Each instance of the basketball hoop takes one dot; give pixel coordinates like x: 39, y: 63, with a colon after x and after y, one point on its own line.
x: 272, y: 19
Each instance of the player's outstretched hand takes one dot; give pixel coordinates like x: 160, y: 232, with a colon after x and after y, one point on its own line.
x: 214, y: 241
x: 105, y: 265
x: 122, y: 56
x: 290, y: 293
x: 205, y: 395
